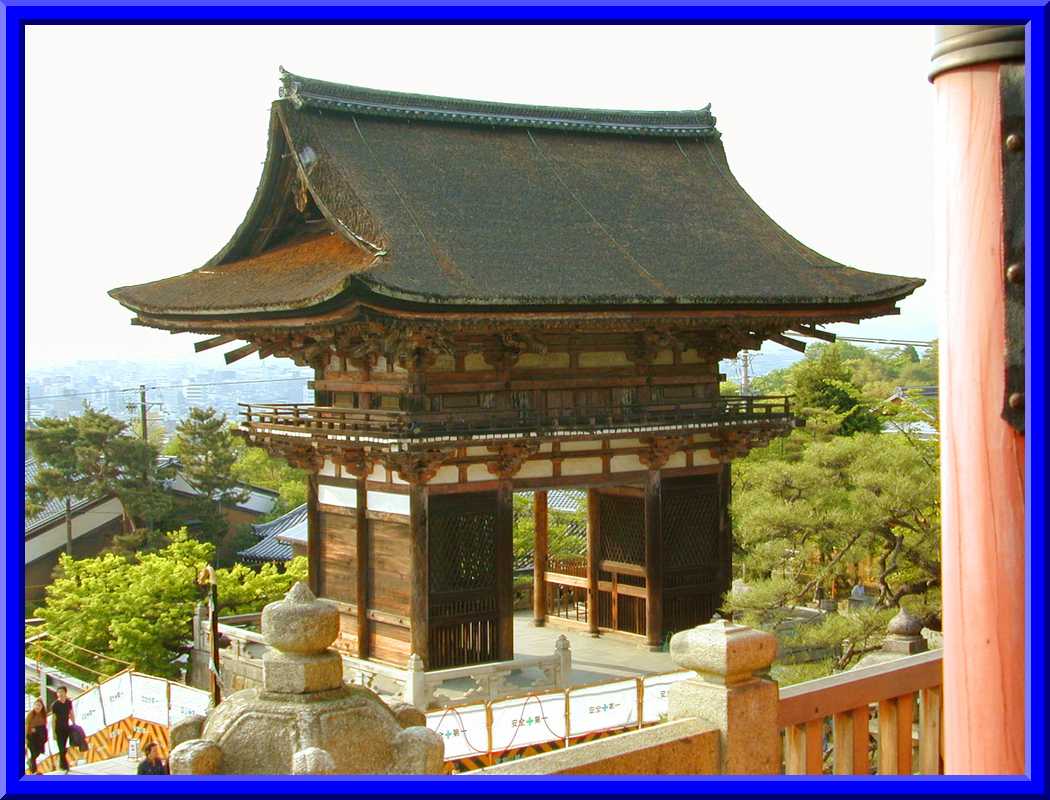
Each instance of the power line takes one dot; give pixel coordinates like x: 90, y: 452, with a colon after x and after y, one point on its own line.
x: 169, y: 386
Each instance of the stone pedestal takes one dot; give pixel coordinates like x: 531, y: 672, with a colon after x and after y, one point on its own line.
x: 304, y: 720
x: 728, y: 693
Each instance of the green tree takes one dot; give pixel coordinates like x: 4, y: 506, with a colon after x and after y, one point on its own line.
x: 92, y: 455
x: 565, y: 531
x: 207, y: 454
x: 801, y: 525
x: 256, y: 467
x: 824, y: 381
x: 102, y: 612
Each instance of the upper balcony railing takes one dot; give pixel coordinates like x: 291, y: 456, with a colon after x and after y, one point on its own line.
x: 301, y: 419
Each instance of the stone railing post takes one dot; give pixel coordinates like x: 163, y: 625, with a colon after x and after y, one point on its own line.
x: 563, y: 650
x: 415, y: 693
x: 728, y: 693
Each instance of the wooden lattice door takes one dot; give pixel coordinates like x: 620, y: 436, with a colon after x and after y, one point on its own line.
x: 463, y: 625
x: 695, y: 548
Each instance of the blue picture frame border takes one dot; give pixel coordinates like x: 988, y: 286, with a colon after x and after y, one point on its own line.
x: 18, y: 14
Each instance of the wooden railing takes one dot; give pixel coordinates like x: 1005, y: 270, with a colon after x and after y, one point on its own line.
x: 300, y: 419
x: 863, y: 722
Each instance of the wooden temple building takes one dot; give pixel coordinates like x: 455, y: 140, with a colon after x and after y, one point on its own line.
x: 494, y: 298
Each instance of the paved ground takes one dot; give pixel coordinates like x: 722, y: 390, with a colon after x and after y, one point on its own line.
x: 121, y: 765
x: 593, y: 659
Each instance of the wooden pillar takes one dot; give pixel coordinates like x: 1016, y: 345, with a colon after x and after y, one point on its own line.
x: 982, y: 456
x: 725, y: 526
x: 362, y: 551
x: 505, y: 570
x: 539, y: 560
x: 313, y: 537
x: 419, y: 565
x: 654, y: 567
x: 593, y: 556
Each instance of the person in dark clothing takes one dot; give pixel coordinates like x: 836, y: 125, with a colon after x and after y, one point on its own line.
x: 62, y: 711
x: 152, y: 764
x: 36, y: 733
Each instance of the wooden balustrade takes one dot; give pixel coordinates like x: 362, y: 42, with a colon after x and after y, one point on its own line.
x: 862, y: 722
x: 294, y: 418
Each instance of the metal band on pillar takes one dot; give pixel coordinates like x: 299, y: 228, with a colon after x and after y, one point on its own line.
x: 957, y: 46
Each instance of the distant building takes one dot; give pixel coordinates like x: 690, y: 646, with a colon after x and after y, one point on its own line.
x: 95, y: 521
x: 194, y: 395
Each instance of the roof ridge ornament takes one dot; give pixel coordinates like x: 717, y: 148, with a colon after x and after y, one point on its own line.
x: 307, y: 92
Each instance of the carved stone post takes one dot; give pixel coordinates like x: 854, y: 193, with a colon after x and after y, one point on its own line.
x: 727, y: 692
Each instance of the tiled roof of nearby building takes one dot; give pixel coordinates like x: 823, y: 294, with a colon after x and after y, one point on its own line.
x: 277, y: 536
x: 54, y: 510
x: 259, y: 500
x: 463, y: 203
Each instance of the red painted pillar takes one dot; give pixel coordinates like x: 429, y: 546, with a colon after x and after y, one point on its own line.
x: 982, y: 456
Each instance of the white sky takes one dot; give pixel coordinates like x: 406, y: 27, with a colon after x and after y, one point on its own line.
x: 145, y: 144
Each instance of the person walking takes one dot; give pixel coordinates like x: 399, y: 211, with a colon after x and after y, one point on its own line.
x: 152, y: 764
x: 63, y: 717
x: 36, y: 732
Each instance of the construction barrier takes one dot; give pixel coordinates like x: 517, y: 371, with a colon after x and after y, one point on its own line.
x: 481, y: 734
x: 124, y: 712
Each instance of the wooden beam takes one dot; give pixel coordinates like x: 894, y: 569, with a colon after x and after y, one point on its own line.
x: 593, y: 555
x: 654, y: 572
x: 794, y: 344
x: 362, y: 559
x: 240, y: 352
x: 215, y: 341
x: 725, y: 526
x: 418, y: 576
x: 815, y: 332
x: 505, y: 570
x: 539, y: 559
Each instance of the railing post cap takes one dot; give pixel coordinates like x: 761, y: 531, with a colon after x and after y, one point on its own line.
x: 724, y: 652
x: 562, y: 643
x: 415, y: 663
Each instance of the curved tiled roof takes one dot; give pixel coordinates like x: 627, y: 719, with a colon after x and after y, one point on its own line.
x: 53, y: 510
x: 276, y: 537
x: 459, y: 203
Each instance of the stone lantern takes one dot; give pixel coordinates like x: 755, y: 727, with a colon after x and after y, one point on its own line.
x: 304, y: 720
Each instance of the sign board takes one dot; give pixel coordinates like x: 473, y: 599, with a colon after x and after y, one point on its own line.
x: 149, y: 698
x: 116, y: 698
x: 87, y: 711
x: 655, y: 692
x: 133, y: 749
x: 187, y: 701
x: 528, y: 720
x: 463, y: 730
x: 603, y: 707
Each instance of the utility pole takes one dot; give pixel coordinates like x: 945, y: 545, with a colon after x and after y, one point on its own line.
x: 144, y: 407
x: 142, y: 411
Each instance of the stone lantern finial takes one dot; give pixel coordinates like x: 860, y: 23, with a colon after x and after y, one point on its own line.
x: 905, y: 634
x: 299, y: 629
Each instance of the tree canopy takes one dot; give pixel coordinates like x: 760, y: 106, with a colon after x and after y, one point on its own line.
x: 92, y: 455
x: 101, y: 612
x: 839, y: 503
